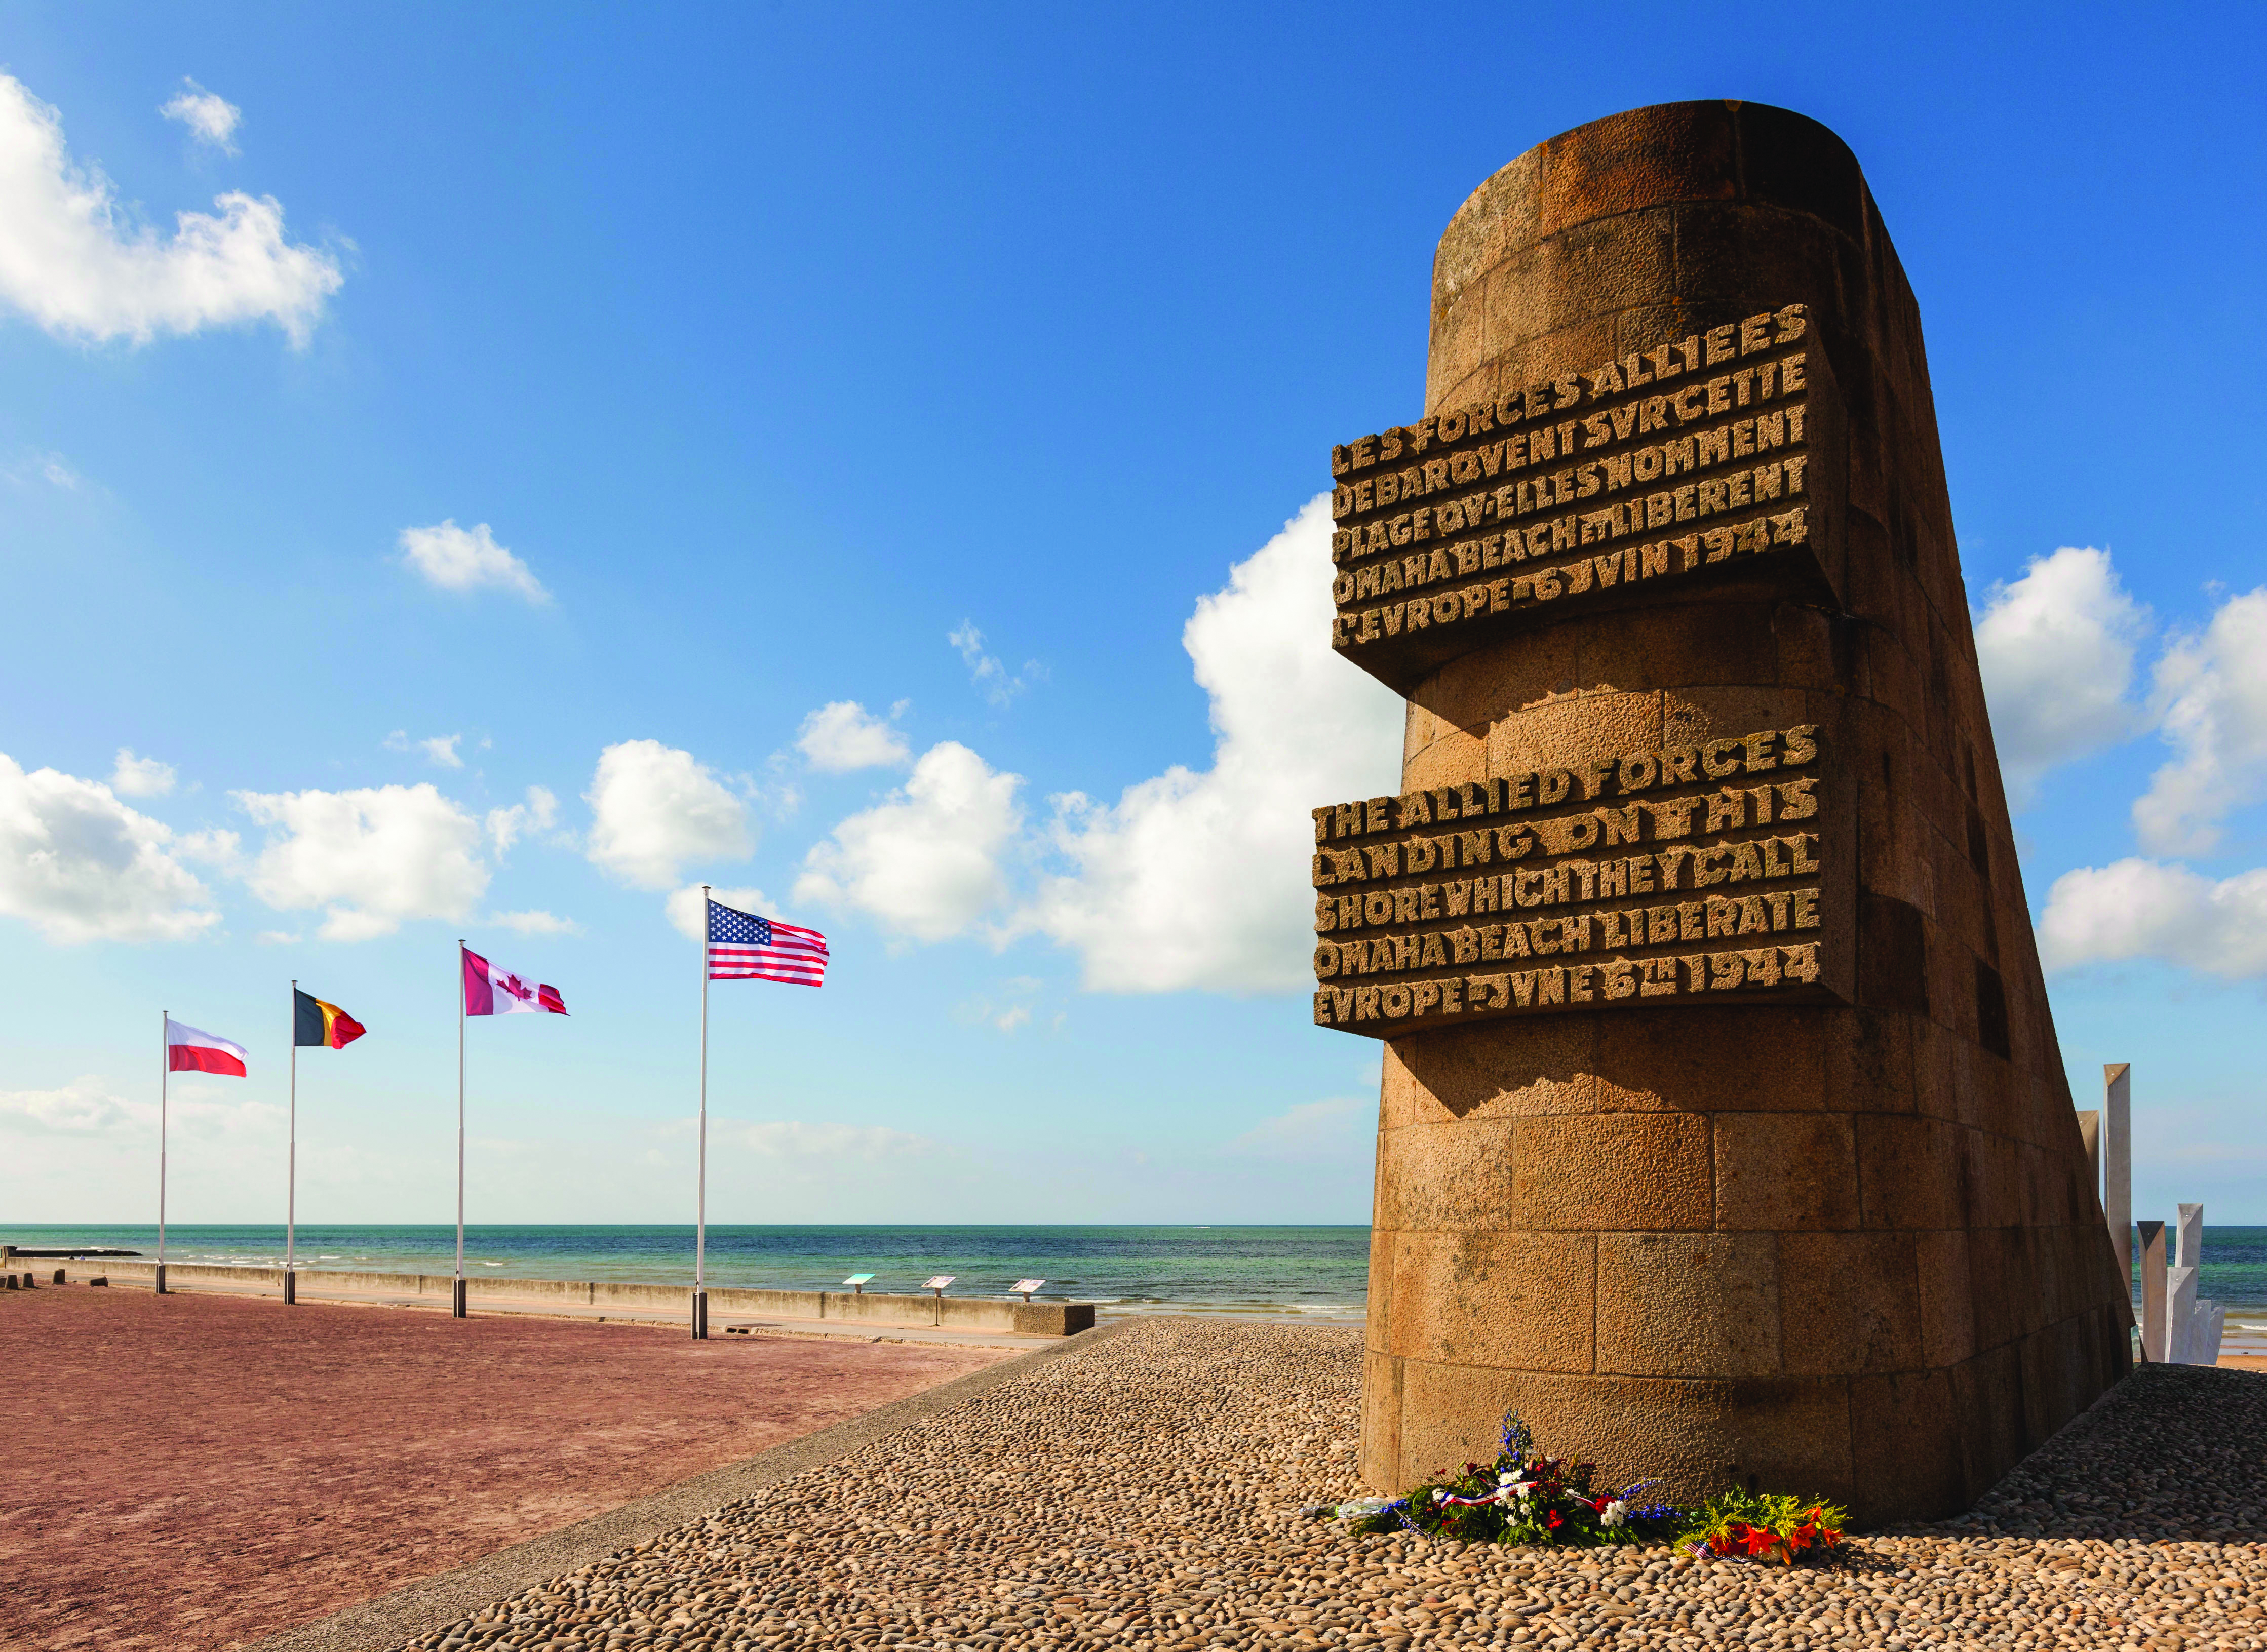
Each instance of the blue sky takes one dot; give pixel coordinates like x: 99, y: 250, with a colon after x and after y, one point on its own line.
x: 866, y: 458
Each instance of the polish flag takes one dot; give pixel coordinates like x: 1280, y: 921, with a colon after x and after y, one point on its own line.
x: 190, y: 1051
x: 491, y: 991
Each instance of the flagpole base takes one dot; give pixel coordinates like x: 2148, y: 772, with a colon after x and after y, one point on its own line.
x: 456, y: 1301
x: 291, y: 1286
x: 699, y: 1315
x: 161, y: 1278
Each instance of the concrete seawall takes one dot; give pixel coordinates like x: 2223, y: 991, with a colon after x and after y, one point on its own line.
x: 969, y: 1313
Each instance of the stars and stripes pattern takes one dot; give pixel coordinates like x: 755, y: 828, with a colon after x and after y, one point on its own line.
x: 744, y: 947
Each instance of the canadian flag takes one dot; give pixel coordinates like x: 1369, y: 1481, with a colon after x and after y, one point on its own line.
x: 491, y: 991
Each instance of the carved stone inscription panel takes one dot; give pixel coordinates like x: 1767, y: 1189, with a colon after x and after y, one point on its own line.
x: 1654, y: 466
x: 1715, y: 871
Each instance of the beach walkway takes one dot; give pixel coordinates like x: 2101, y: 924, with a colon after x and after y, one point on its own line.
x: 189, y: 1473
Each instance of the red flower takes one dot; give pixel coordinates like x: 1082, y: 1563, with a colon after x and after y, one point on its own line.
x: 1753, y: 1540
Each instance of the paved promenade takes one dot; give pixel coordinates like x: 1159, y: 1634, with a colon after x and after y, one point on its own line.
x: 188, y: 1472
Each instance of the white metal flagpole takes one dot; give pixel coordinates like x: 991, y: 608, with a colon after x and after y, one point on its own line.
x: 164, y: 1086
x: 291, y: 1162
x: 700, y: 1199
x: 457, y: 1306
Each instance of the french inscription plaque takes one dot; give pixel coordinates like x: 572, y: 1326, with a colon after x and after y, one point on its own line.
x: 1587, y: 486
x: 1723, y: 1131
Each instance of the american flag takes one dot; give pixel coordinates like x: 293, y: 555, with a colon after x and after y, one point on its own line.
x: 744, y: 947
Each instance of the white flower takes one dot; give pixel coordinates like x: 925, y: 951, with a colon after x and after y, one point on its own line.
x: 1615, y: 1512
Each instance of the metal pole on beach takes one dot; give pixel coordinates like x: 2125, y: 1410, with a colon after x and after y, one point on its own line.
x: 2118, y: 1164
x: 701, y: 1198
x: 291, y: 1162
x: 164, y: 1086
x: 457, y: 1293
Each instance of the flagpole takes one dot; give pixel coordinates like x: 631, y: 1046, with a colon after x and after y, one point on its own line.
x: 701, y: 1201
x: 291, y: 1162
x: 164, y: 1086
x: 457, y: 1304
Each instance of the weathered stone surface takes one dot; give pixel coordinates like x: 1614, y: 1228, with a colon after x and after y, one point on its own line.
x: 1723, y: 1127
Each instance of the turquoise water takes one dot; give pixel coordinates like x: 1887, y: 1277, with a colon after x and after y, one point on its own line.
x: 2232, y: 1270
x: 1320, y: 1272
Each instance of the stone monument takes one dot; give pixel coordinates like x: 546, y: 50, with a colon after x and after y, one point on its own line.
x: 1723, y: 1130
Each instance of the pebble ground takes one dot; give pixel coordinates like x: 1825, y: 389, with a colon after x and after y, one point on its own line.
x: 1145, y: 1492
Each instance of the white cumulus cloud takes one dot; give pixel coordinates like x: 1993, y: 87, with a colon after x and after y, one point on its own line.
x: 924, y: 860
x: 82, y: 1108
x: 71, y: 260
x: 454, y: 559
x: 2145, y: 909
x: 134, y: 776
x: 687, y: 916
x: 370, y: 858
x: 842, y: 734
x: 507, y: 826
x: 211, y: 118
x: 654, y: 808
x: 78, y: 865
x: 2056, y: 652
x: 2211, y: 694
x: 1195, y: 879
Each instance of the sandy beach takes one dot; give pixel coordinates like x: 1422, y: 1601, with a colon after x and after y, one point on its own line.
x: 190, y: 1472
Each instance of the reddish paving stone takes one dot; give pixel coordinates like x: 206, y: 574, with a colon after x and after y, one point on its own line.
x: 189, y: 1473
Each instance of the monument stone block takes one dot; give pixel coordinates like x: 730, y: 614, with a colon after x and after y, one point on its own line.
x: 1722, y: 1129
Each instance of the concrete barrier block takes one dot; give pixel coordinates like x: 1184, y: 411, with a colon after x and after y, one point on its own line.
x: 875, y: 1308
x: 616, y: 1293
x: 879, y: 1307
x: 1025, y: 1318
x: 785, y: 1304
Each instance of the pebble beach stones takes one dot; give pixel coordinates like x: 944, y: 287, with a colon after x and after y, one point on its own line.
x: 1149, y: 1492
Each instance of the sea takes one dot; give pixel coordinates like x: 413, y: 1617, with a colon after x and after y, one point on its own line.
x: 1312, y: 1274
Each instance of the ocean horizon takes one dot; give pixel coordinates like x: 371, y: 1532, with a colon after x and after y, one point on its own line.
x: 1318, y: 1271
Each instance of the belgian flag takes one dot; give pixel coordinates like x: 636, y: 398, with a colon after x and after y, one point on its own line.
x: 317, y: 1023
